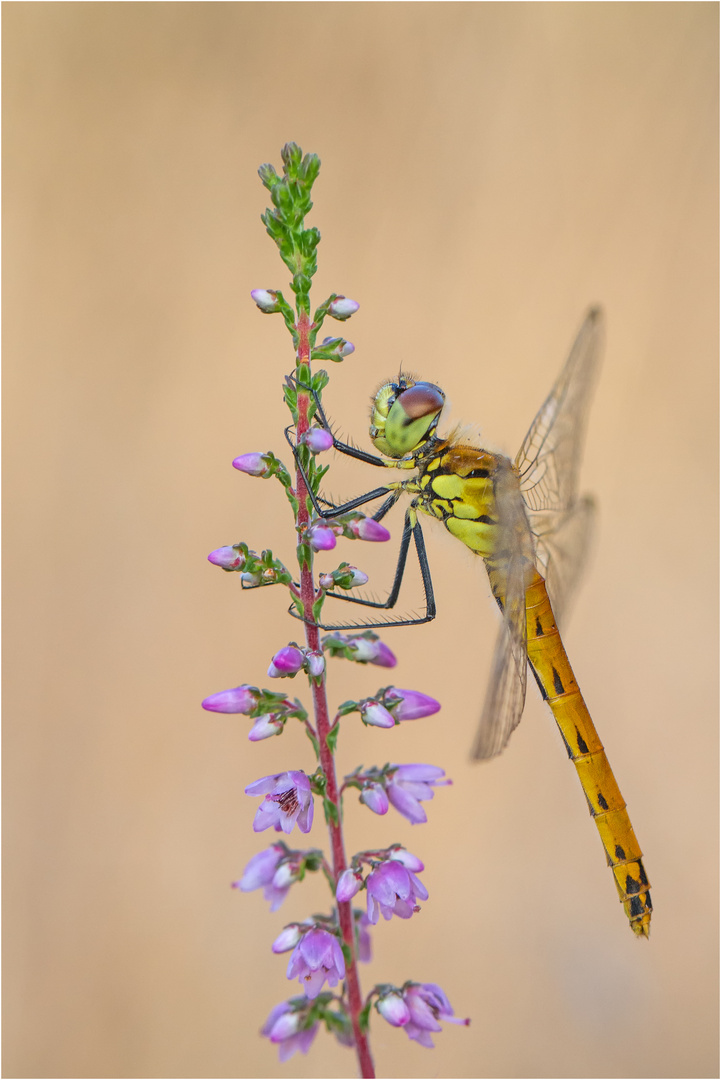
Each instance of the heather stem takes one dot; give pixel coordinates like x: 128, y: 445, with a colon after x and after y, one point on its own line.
x: 320, y: 702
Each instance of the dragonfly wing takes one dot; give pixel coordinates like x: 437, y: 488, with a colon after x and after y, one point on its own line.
x: 562, y: 545
x: 547, y: 463
x: 506, y: 692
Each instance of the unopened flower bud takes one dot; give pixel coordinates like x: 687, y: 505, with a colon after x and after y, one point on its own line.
x: 316, y: 664
x: 343, y: 347
x: 320, y: 537
x: 393, y: 1008
x: 375, y: 798
x: 326, y: 581
x: 318, y: 439
x: 412, y: 705
x: 229, y: 558
x: 250, y: 581
x: 342, y: 308
x: 368, y: 529
x: 264, y: 727
x: 358, y: 577
x: 348, y: 885
x: 286, y: 661
x: 372, y: 651
x: 287, y: 939
x: 373, y: 713
x: 241, y: 699
x: 266, y: 299
x: 253, y: 464
x: 411, y: 862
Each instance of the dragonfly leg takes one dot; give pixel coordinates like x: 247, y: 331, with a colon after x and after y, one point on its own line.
x: 331, y: 510
x: 411, y: 528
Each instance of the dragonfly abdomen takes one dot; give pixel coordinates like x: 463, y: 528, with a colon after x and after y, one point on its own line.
x: 553, y: 671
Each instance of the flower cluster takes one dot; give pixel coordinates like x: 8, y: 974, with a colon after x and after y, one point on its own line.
x: 325, y: 948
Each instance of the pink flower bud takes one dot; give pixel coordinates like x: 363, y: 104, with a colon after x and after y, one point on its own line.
x: 393, y: 1008
x: 287, y: 939
x: 412, y: 705
x: 318, y: 439
x: 411, y: 862
x: 286, y: 661
x: 266, y: 299
x: 342, y: 308
x: 343, y: 348
x: 375, y: 798
x: 227, y: 557
x: 348, y: 886
x: 373, y: 713
x: 253, y: 464
x: 264, y: 727
x: 241, y: 699
x: 359, y: 578
x: 316, y: 664
x: 368, y: 529
x: 320, y: 537
x: 372, y: 651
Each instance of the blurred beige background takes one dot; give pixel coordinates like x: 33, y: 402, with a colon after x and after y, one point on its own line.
x: 488, y: 171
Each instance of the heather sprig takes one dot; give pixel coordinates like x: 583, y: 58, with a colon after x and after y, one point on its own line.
x: 327, y: 946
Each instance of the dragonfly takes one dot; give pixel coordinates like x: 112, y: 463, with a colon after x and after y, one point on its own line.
x: 527, y: 522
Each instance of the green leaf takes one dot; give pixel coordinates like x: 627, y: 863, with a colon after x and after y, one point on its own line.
x: 364, y: 1017
x: 314, y: 740
x: 331, y: 811
x: 332, y: 738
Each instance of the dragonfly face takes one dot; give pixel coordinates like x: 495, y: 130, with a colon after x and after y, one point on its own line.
x: 404, y: 416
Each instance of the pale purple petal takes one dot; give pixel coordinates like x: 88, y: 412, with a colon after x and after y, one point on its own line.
x: 407, y: 805
x: 265, y: 727
x: 411, y: 862
x: 393, y: 1008
x: 227, y: 557
x: 305, y: 817
x: 419, y: 772
x: 375, y: 714
x: 264, y: 785
x: 287, y: 939
x: 372, y: 531
x: 261, y: 869
x: 348, y: 885
x: 413, y: 704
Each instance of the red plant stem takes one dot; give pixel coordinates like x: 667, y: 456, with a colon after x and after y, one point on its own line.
x: 322, y: 720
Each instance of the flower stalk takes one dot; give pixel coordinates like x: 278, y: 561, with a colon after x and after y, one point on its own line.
x: 325, y: 947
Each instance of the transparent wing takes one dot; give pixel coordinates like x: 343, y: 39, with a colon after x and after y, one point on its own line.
x: 562, y: 545
x: 507, y: 570
x: 506, y: 692
x: 547, y: 463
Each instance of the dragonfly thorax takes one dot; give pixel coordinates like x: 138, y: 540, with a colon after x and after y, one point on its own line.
x: 404, y: 416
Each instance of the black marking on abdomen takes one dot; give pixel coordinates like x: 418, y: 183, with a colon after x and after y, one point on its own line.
x: 620, y: 853
x: 483, y: 518
x: 632, y: 886
x: 582, y: 748
x: 557, y: 682
x: 642, y: 874
x: 602, y: 802
x: 539, y: 627
x: 478, y: 474
x: 635, y: 906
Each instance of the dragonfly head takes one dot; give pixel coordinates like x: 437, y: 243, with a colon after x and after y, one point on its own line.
x: 404, y: 415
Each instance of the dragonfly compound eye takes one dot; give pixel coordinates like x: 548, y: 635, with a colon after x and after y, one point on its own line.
x: 412, y: 417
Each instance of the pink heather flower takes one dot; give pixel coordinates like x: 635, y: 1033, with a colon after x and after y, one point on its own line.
x: 343, y: 348
x: 393, y: 1008
x: 287, y: 661
x: 393, y: 890
x: 241, y: 699
x: 227, y: 557
x: 410, y: 785
x: 375, y: 714
x: 427, y: 1004
x: 287, y: 939
x: 253, y: 464
x: 266, y: 299
x: 370, y: 651
x: 412, y: 705
x: 288, y: 800
x: 266, y: 725
x: 284, y: 1028
x: 320, y: 537
x: 316, y: 664
x: 260, y: 873
x: 317, y: 957
x: 348, y: 885
x: 368, y: 529
x: 375, y: 798
x: 318, y: 439
x: 342, y: 308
